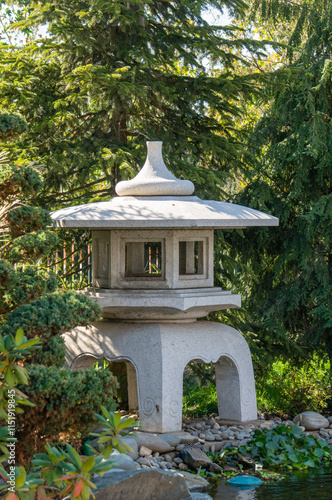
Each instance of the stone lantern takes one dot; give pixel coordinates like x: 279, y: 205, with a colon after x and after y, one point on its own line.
x: 152, y: 274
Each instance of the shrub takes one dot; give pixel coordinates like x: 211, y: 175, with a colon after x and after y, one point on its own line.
x: 289, y: 390
x: 286, y: 391
x: 200, y: 401
x: 65, y: 402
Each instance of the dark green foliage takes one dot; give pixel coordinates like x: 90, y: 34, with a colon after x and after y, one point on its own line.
x: 18, y: 181
x: 52, y: 315
x: 65, y: 402
x: 7, y: 275
x: 32, y: 246
x: 288, y: 390
x: 52, y: 353
x: 285, y: 391
x: 112, y: 74
x: 25, y: 219
x: 290, y: 280
x: 288, y: 447
x: 11, y: 124
x: 23, y: 285
x: 200, y: 401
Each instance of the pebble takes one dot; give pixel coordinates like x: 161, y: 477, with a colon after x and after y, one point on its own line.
x: 145, y: 451
x: 214, y: 438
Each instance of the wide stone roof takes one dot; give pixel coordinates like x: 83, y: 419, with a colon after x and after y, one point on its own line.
x: 156, y: 199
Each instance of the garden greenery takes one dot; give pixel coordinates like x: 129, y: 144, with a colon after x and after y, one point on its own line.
x: 286, y: 447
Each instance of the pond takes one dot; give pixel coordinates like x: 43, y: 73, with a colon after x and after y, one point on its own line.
x: 300, y: 485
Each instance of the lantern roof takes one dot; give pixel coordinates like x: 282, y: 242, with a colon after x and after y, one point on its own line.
x: 157, y: 199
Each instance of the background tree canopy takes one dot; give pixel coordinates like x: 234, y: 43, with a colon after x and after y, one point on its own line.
x: 110, y: 75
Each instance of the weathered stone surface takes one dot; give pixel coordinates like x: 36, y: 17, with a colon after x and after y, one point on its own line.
x: 144, y: 451
x: 152, y: 441
x: 188, y: 438
x: 194, y: 482
x: 200, y: 496
x: 122, y: 461
x: 142, y: 485
x: 160, y: 403
x: 195, y: 458
x: 311, y: 420
x: 171, y: 439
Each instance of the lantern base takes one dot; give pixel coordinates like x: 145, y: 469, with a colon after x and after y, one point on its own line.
x: 156, y: 355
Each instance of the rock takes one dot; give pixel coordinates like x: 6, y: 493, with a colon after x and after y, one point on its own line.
x: 200, y: 496
x: 143, y: 485
x: 330, y: 420
x: 122, y: 461
x: 152, y: 441
x: 194, y: 457
x: 178, y: 460
x: 188, y: 438
x: 194, y: 482
x: 183, y: 467
x: 171, y: 439
x: 143, y: 461
x: 311, y: 420
x: 143, y: 452
x: 246, y: 460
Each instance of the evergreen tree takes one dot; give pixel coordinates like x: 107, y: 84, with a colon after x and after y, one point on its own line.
x: 112, y: 74
x: 289, y: 295
x: 30, y: 299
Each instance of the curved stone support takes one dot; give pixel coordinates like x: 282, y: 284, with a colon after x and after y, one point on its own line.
x: 159, y: 353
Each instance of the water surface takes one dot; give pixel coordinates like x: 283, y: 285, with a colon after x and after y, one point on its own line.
x: 301, y: 485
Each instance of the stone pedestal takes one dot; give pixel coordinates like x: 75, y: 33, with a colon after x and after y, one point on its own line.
x: 157, y: 353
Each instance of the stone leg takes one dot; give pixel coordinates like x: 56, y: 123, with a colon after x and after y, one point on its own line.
x: 132, y: 387
x: 228, y: 390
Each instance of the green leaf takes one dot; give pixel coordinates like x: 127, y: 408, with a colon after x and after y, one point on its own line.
x: 88, y: 464
x: 19, y: 337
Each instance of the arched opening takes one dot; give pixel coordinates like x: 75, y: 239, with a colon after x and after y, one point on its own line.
x: 199, y: 389
x: 123, y: 370
x: 212, y: 389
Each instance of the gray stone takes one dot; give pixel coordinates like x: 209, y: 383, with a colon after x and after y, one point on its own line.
x: 122, y: 461
x: 195, y: 458
x: 311, y: 420
x: 152, y: 441
x: 143, y: 461
x: 188, y: 438
x: 143, y: 485
x: 173, y: 344
x: 193, y: 481
x: 154, y: 179
x: 200, y: 496
x: 330, y: 420
x: 171, y: 439
x: 144, y: 451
